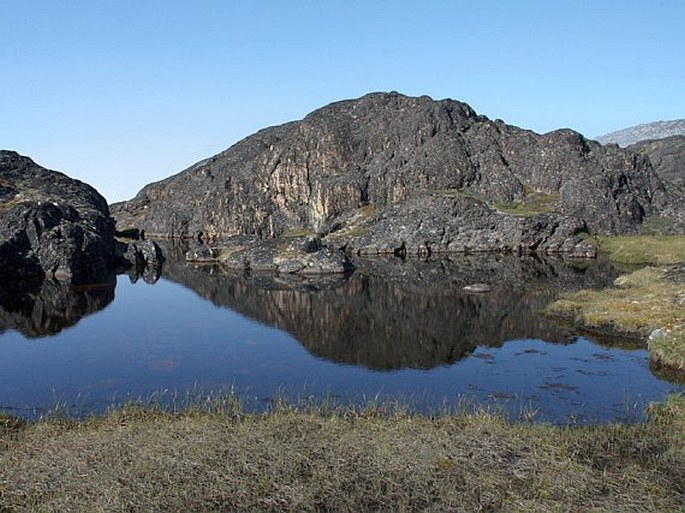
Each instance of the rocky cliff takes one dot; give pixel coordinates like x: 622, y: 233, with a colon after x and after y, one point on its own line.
x: 388, y: 173
x: 51, y: 225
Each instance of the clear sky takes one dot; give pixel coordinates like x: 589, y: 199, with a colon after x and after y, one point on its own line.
x: 120, y: 93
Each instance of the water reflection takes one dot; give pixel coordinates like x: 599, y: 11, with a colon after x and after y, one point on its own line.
x: 393, y: 314
x: 39, y: 310
x: 195, y: 329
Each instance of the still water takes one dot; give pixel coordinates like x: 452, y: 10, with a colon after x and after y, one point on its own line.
x: 393, y: 330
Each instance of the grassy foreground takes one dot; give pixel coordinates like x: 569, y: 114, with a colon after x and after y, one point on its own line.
x: 640, y: 302
x: 296, y: 459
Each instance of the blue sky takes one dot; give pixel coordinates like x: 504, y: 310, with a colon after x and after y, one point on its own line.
x: 122, y: 93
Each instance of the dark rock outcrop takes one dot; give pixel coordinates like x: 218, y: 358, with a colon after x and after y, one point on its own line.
x: 141, y: 253
x: 51, y: 225
x: 667, y: 156
x: 390, y: 174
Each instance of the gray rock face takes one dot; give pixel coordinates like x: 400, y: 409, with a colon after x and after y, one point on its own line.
x: 667, y: 156
x: 390, y: 174
x: 644, y: 132
x: 51, y: 225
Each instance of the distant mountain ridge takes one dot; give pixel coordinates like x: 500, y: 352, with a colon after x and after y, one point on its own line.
x: 644, y: 132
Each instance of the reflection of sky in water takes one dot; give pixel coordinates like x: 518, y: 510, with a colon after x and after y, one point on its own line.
x: 164, y: 337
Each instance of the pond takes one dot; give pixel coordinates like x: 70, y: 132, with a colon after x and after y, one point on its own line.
x: 394, y: 330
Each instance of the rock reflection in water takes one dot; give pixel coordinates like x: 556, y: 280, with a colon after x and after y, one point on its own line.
x: 44, y: 309
x: 395, y: 314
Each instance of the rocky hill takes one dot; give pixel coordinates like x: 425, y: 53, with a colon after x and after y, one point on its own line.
x: 644, y: 132
x: 667, y: 156
x: 387, y: 173
x: 51, y: 225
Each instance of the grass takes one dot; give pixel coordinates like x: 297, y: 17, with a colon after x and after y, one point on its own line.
x: 640, y: 302
x: 8, y: 205
x: 355, y: 227
x: 333, y: 459
x: 532, y: 204
x: 645, y: 249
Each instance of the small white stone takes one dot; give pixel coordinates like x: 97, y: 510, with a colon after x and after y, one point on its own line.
x: 478, y: 288
x: 660, y: 332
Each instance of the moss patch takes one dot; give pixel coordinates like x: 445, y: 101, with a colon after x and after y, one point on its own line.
x: 8, y: 205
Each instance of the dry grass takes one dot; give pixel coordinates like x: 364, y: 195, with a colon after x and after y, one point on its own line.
x: 642, y: 302
x: 7, y: 205
x: 295, y: 459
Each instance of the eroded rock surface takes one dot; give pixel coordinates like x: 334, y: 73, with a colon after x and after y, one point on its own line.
x: 391, y: 174
x: 294, y: 255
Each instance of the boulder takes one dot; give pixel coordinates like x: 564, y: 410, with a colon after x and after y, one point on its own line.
x: 143, y: 253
